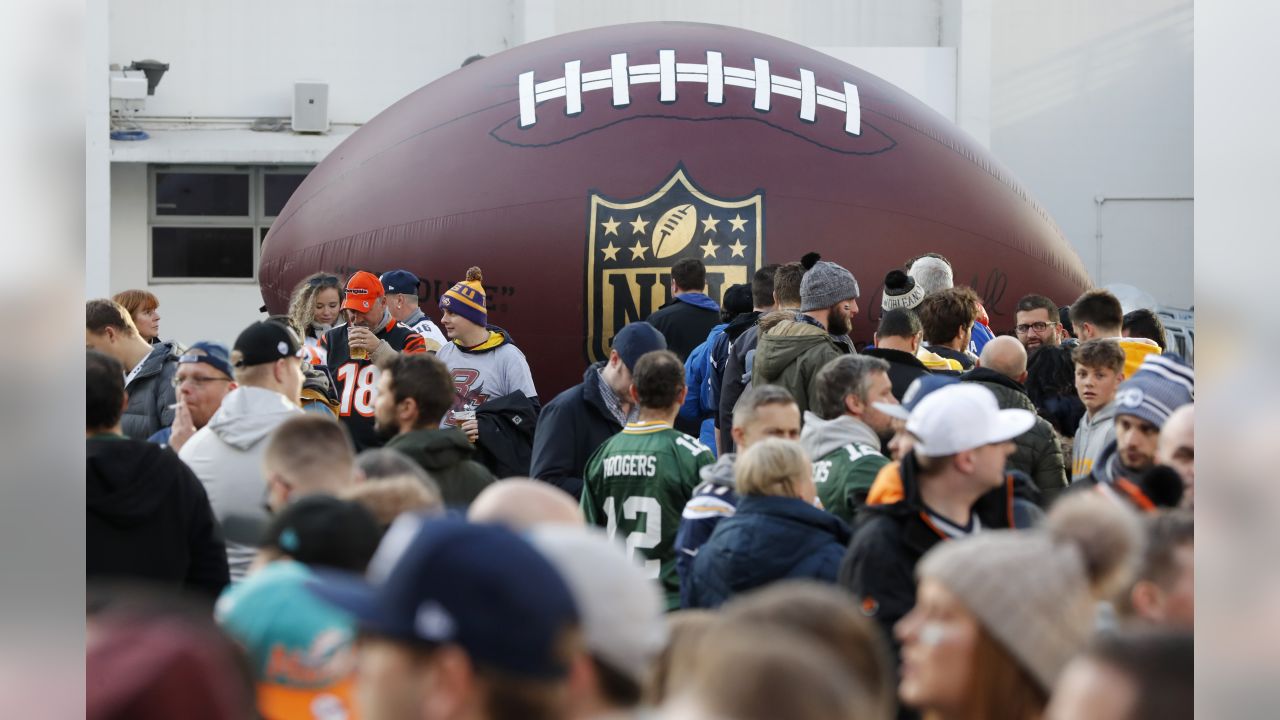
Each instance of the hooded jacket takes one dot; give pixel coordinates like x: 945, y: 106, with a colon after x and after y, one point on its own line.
x: 226, y: 455
x: 1095, y: 432
x: 570, y: 428
x: 889, y: 539
x: 719, y: 355
x: 1135, y: 351
x: 904, y: 368
x: 148, y: 517
x: 696, y: 413
x: 768, y: 539
x: 714, y: 500
x: 790, y: 354
x: 685, y: 320
x: 1146, y: 492
x: 738, y: 366
x: 151, y: 393
x: 1038, y: 452
x: 446, y: 455
x: 846, y: 459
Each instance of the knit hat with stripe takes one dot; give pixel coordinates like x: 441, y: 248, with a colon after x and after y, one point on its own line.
x: 467, y: 298
x: 1162, y: 384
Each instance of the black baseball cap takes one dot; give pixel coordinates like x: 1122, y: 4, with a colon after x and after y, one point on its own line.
x: 323, y: 530
x: 636, y: 339
x: 478, y: 586
x: 264, y: 342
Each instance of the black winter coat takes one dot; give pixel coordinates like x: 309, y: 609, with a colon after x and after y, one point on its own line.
x: 768, y: 539
x: 685, y: 326
x: 148, y: 518
x: 570, y: 428
x: 507, y: 425
x: 151, y: 393
x: 1051, y: 385
x: 1038, y: 453
x: 734, y: 383
x: 888, y: 540
x: 446, y: 455
x: 904, y: 368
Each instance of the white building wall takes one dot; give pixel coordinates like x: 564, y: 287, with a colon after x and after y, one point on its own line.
x: 1092, y: 99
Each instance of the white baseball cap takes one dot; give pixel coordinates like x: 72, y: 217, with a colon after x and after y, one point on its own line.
x: 961, y: 417
x: 621, y: 607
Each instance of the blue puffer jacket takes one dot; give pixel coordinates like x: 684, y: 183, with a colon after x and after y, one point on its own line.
x: 767, y: 539
x: 699, y: 406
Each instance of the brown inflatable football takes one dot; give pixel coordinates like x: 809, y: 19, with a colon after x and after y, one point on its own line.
x: 576, y: 170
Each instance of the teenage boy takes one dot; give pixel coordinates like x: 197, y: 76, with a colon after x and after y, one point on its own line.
x: 1099, y: 372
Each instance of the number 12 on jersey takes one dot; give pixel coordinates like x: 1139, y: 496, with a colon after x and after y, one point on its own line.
x: 646, y: 539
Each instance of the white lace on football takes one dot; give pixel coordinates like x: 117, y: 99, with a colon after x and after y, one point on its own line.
x: 620, y: 77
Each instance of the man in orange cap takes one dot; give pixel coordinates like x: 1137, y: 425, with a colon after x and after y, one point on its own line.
x: 370, y: 335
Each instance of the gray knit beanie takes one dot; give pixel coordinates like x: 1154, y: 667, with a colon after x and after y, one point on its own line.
x: 1036, y: 591
x: 824, y: 284
x: 1162, y: 384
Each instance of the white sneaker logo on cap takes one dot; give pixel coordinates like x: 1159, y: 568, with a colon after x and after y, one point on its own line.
x: 433, y: 622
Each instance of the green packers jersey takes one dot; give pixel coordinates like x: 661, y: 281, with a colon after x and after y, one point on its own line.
x: 844, y: 477
x: 636, y: 485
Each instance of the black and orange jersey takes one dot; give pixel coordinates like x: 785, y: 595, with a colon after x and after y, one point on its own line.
x: 356, y: 379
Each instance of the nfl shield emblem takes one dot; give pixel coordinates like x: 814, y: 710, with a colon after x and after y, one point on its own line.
x: 631, y: 246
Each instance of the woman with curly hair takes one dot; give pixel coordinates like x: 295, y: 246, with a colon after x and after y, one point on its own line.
x: 314, y: 308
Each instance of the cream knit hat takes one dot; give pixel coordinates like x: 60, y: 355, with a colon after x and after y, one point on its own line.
x: 1036, y: 591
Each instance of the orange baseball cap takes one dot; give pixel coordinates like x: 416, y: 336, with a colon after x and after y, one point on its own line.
x: 362, y: 289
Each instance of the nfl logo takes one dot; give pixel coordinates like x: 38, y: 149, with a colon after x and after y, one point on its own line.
x: 631, y: 246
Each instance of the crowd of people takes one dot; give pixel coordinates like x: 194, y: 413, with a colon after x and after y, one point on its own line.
x: 357, y: 512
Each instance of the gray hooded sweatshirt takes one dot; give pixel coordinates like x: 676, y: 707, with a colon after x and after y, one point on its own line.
x: 846, y: 459
x: 1096, y: 430
x: 227, y: 455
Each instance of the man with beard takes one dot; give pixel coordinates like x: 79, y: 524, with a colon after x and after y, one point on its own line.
x: 371, y: 335
x: 1050, y: 371
x: 844, y: 437
x: 414, y: 391
x: 1144, y: 404
x: 793, y: 348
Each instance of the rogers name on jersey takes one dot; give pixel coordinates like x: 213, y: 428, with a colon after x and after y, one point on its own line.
x: 630, y: 465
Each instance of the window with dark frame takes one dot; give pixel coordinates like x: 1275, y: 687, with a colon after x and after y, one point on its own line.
x: 204, y: 220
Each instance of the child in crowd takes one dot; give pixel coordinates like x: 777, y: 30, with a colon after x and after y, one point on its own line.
x: 1099, y: 372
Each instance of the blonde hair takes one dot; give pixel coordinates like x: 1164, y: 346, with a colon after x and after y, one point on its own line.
x: 388, y: 498
x: 302, y: 303
x: 771, y: 467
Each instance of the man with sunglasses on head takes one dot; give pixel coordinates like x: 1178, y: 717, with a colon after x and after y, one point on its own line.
x: 203, y: 378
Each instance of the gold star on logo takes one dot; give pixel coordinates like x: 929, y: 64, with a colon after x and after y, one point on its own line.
x: 710, y: 223
x: 611, y: 227
x: 637, y: 251
x: 709, y: 250
x: 737, y: 249
x: 638, y: 225
x: 737, y: 222
x: 610, y: 252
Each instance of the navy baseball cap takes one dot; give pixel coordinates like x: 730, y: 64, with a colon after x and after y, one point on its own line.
x: 478, y: 586
x: 399, y: 282
x: 916, y: 391
x: 636, y: 339
x: 215, y: 355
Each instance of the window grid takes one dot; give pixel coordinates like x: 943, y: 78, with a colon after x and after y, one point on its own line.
x: 257, y: 220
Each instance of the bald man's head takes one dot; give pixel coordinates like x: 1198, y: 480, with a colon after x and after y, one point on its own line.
x: 521, y: 503
x: 1006, y: 356
x: 1177, y: 448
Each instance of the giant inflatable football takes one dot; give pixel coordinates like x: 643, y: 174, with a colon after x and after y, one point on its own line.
x: 576, y: 170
